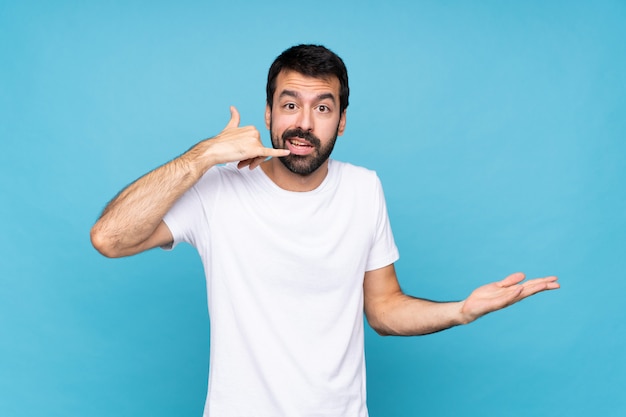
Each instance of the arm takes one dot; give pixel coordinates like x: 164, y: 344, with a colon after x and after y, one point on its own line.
x: 132, y: 221
x: 391, y: 312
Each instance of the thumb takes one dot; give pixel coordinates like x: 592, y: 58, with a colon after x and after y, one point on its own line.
x: 512, y: 279
x: 234, y: 118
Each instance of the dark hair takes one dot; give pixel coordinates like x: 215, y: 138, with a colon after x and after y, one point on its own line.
x: 313, y: 61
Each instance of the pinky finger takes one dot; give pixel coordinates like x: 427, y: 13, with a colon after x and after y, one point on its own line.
x: 256, y: 162
x: 244, y: 163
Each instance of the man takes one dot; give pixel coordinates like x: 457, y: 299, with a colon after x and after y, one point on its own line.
x: 295, y: 248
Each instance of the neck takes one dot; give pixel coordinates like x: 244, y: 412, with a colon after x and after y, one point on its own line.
x: 289, y: 181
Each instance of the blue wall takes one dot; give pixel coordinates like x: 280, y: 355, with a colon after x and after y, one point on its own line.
x: 498, y: 131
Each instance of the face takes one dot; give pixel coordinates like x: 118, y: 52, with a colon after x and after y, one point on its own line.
x: 305, y: 119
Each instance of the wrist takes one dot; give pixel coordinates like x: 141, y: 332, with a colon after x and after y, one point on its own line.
x: 199, y: 159
x: 463, y: 317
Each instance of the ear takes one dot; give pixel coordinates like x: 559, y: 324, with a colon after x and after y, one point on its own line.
x: 268, y: 116
x: 342, y: 123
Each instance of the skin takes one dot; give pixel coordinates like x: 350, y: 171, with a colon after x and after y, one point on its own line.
x: 311, y: 104
x: 132, y: 221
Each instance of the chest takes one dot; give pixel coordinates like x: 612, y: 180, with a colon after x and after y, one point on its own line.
x: 315, y: 242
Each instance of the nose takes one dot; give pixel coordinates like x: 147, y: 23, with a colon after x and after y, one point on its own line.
x: 305, y: 120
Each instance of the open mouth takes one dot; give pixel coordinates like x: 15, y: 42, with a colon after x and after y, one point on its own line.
x: 299, y: 143
x: 299, y: 146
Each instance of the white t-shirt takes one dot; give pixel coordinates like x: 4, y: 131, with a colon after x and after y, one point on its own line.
x: 284, y: 273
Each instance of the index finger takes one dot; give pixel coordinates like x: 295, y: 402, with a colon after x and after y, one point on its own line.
x: 273, y: 152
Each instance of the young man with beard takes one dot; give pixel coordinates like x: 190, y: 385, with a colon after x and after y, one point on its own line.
x: 294, y: 247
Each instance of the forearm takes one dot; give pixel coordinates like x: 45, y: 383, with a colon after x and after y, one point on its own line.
x: 134, y: 214
x: 402, y: 315
x: 130, y: 223
x: 391, y: 312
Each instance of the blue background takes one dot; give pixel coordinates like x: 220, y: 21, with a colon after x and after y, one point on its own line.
x: 496, y: 127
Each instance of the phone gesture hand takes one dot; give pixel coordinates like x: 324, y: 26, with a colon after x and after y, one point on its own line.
x: 241, y: 144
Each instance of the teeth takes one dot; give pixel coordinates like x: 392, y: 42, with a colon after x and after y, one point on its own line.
x: 298, y: 143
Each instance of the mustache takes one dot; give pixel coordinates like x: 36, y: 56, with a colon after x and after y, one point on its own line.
x: 299, y: 133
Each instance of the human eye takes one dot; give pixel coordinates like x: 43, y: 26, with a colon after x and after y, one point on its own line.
x: 289, y: 106
x: 323, y: 108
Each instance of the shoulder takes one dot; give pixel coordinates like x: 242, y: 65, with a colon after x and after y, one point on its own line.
x: 349, y: 171
x: 224, y: 173
x: 215, y: 179
x: 357, y: 182
x: 355, y: 176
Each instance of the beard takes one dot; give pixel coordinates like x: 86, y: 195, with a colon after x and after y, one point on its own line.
x: 303, y: 164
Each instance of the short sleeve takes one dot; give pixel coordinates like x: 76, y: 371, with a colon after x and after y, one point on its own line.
x: 384, y: 250
x: 187, y: 219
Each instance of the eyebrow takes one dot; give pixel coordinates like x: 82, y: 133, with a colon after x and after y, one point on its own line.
x: 295, y: 94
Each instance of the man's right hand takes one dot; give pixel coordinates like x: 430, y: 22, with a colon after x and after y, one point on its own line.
x: 133, y: 221
x: 233, y: 144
